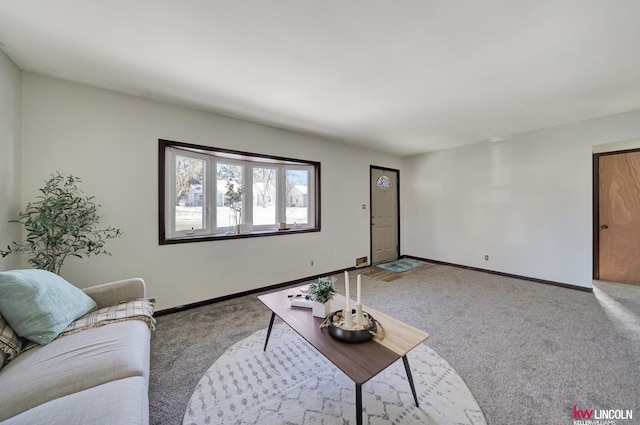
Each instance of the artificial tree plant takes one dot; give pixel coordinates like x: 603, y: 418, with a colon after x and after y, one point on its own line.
x: 62, y: 222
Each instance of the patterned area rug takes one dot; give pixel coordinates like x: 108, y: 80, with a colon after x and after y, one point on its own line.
x: 400, y: 266
x: 291, y: 383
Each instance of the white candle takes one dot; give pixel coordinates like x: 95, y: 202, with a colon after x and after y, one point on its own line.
x: 346, y: 291
x: 359, y: 290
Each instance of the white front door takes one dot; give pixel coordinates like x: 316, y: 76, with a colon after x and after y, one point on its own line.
x: 384, y: 215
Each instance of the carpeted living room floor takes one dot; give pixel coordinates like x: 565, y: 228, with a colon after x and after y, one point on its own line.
x: 528, y: 352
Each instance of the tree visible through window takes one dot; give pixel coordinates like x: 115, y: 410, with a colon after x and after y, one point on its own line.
x: 229, y: 190
x: 189, y: 174
x: 211, y: 193
x: 264, y: 194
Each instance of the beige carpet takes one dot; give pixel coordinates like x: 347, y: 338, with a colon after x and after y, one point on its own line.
x: 528, y: 352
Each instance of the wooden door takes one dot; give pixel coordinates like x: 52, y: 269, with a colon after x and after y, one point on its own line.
x: 384, y: 215
x: 619, y: 217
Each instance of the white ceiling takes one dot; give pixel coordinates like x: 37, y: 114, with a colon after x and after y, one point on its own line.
x: 402, y: 76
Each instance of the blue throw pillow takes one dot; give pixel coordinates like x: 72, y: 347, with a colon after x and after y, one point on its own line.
x: 38, y: 304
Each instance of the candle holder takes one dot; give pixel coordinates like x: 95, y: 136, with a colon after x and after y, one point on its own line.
x: 352, y: 325
x: 336, y: 329
x: 360, y: 319
x: 346, y: 313
x: 348, y: 318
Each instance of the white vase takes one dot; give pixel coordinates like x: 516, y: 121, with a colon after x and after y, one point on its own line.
x: 321, y: 310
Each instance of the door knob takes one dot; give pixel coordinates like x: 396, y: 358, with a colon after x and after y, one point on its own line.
x: 604, y: 226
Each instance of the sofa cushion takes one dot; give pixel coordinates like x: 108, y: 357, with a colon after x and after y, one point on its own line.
x: 39, y: 304
x: 10, y: 343
x: 124, y: 401
x: 74, y: 363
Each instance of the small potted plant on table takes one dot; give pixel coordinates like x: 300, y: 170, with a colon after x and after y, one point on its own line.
x: 321, y: 293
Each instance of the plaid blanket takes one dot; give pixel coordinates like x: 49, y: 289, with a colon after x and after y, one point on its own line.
x: 10, y: 342
x: 140, y: 309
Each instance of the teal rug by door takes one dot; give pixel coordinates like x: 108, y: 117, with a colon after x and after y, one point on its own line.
x: 399, y: 266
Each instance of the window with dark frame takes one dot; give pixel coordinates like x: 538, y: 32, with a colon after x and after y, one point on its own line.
x: 208, y: 193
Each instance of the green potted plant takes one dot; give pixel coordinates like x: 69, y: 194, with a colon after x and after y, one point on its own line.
x: 61, y: 223
x: 321, y: 293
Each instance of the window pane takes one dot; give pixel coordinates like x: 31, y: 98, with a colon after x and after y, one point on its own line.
x: 189, y: 193
x: 211, y: 194
x: 384, y: 182
x: 229, y: 191
x: 264, y: 196
x: 297, y: 199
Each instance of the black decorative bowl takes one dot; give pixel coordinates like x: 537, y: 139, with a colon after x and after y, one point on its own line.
x: 352, y: 336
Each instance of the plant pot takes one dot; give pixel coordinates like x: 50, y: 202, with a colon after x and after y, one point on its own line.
x: 321, y: 310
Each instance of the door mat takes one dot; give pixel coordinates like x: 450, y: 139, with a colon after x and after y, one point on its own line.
x: 400, y: 266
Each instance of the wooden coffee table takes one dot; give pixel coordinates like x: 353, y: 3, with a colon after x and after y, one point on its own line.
x: 360, y: 362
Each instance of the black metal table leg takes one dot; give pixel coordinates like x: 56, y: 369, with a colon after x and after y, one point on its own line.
x: 358, y: 404
x: 273, y: 316
x: 410, y: 377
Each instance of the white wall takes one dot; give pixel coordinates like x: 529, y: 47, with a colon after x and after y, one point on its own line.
x: 10, y: 113
x: 525, y: 201
x: 111, y: 142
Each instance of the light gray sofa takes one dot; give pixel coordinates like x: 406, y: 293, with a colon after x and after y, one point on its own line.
x: 96, y: 376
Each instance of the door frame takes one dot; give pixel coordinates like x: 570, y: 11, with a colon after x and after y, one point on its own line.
x: 377, y: 167
x: 596, y: 206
